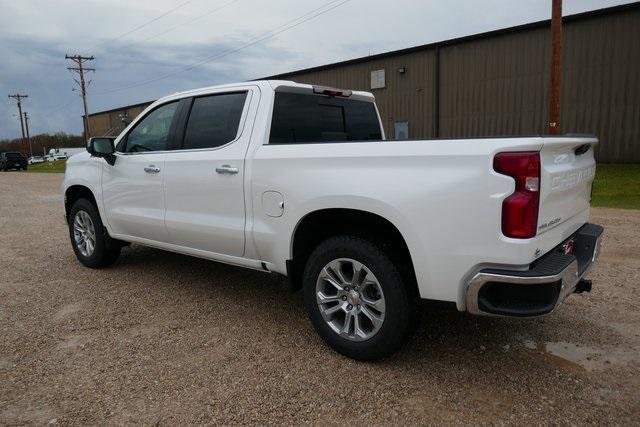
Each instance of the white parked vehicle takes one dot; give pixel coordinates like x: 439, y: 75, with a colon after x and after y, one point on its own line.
x: 298, y: 180
x: 36, y: 159
x: 65, y: 153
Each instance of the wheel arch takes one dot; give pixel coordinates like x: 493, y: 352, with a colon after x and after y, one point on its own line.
x: 319, y: 225
x: 74, y: 193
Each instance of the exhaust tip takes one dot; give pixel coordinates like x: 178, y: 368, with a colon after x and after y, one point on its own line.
x: 583, y: 285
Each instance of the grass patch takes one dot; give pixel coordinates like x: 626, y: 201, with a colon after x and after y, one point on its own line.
x: 48, y: 167
x: 617, y: 186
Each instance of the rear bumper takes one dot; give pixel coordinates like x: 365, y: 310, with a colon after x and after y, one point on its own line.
x: 541, y: 288
x: 14, y: 165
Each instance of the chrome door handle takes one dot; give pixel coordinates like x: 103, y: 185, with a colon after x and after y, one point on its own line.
x: 227, y: 169
x: 151, y: 169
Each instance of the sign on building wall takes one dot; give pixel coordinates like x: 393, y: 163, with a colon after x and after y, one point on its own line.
x: 377, y: 79
x: 401, y: 130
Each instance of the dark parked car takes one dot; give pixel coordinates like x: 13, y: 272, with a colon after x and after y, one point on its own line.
x: 12, y: 160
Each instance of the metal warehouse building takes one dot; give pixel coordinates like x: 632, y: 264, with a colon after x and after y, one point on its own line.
x: 496, y: 83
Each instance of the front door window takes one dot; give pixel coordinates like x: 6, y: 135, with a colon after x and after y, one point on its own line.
x: 152, y: 132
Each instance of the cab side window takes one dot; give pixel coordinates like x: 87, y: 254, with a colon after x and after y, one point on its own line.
x: 214, y: 120
x: 152, y: 132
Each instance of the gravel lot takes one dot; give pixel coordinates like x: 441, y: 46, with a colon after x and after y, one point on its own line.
x: 164, y: 338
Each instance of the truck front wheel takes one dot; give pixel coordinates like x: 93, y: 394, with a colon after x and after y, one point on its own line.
x: 91, y: 243
x: 356, y: 298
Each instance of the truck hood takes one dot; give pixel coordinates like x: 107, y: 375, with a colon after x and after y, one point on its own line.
x: 79, y: 157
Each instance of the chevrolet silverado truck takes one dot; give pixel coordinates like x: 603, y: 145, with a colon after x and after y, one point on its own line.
x: 298, y: 180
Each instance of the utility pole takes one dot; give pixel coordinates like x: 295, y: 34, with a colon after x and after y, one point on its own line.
x: 26, y: 127
x: 80, y: 69
x: 556, y: 67
x: 19, y: 99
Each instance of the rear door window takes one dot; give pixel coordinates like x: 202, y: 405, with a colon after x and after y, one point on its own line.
x: 214, y: 120
x: 301, y: 118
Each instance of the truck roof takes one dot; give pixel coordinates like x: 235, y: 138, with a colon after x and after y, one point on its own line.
x: 266, y: 84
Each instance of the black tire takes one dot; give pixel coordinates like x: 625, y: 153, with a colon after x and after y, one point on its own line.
x: 106, y: 250
x: 399, y: 303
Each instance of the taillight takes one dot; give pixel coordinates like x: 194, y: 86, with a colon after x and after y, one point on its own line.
x: 520, y: 210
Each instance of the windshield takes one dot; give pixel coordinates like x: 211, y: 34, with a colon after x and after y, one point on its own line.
x: 14, y: 156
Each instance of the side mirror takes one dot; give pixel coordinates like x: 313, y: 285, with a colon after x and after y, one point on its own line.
x: 102, y: 147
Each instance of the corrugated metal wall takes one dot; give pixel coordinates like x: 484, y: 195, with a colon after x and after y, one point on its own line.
x: 494, y: 86
x: 601, y: 86
x: 498, y: 84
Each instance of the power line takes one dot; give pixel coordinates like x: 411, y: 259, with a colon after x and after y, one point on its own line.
x: 58, y: 108
x: 67, y: 104
x: 46, y: 114
x: 80, y: 69
x: 190, y: 21
x: 133, y: 30
x: 265, y: 36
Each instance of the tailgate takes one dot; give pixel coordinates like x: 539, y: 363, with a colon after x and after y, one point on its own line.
x: 567, y: 170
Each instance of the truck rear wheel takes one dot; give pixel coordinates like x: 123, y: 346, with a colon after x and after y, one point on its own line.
x: 91, y: 243
x: 356, y: 298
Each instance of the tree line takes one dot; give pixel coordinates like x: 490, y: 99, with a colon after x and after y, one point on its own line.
x: 42, y: 143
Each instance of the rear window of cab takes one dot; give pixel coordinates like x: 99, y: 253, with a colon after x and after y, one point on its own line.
x: 308, y: 118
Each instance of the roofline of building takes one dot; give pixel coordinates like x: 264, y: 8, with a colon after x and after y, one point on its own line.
x: 139, y: 104
x: 449, y: 42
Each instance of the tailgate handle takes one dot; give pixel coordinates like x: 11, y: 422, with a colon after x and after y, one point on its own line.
x: 582, y: 149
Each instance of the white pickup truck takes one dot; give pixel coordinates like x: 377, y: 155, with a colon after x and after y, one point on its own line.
x: 298, y: 180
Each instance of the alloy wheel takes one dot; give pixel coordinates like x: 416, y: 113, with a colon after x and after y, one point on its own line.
x: 84, y: 233
x: 350, y: 299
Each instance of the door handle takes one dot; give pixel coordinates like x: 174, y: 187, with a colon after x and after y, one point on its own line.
x: 151, y: 169
x: 227, y: 169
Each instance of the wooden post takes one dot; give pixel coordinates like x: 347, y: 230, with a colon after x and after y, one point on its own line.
x: 556, y: 67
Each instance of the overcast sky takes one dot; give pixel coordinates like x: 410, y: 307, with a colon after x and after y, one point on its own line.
x: 147, y: 49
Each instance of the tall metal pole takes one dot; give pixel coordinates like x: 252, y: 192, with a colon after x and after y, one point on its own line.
x: 556, y: 67
x: 26, y: 126
x: 19, y: 99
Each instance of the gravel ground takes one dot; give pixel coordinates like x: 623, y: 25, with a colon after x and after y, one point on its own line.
x: 164, y: 338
